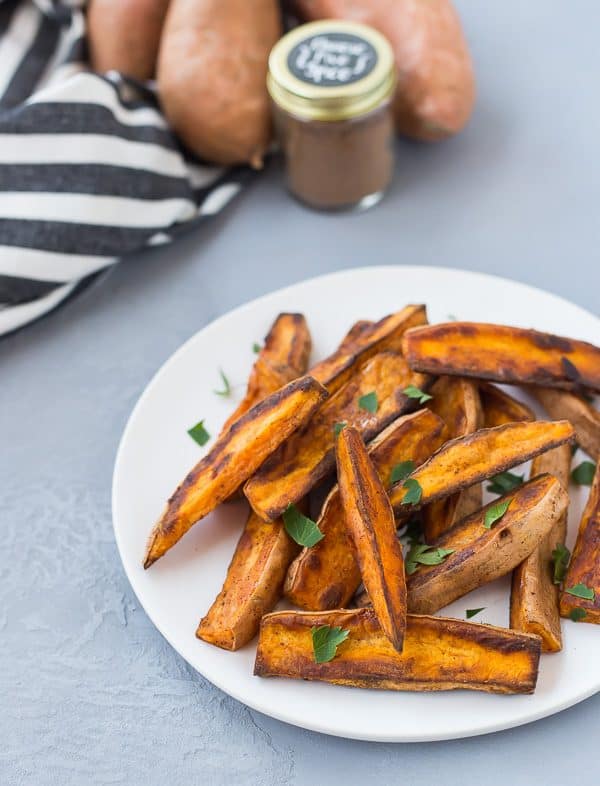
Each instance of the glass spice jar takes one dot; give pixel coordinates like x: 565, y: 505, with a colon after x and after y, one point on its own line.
x: 331, y: 84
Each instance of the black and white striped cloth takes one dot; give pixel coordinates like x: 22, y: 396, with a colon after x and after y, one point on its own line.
x: 89, y: 170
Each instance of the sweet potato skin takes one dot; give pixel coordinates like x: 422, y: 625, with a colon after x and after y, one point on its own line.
x: 584, y: 417
x: 283, y: 357
x: 123, y: 35
x: 499, y: 407
x: 361, y: 343
x: 436, y: 84
x: 463, y: 462
x: 370, y: 522
x: 235, y: 456
x: 481, y: 555
x: 252, y: 586
x: 291, y: 472
x: 457, y: 402
x: 534, y: 596
x: 438, y: 653
x: 585, y: 562
x: 503, y: 354
x: 212, y: 69
x: 326, y: 576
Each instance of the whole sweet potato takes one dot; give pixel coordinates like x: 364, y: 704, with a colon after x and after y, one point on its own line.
x: 212, y: 70
x: 436, y: 85
x: 124, y: 35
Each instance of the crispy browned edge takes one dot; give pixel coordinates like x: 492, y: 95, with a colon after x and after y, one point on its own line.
x: 370, y: 522
x: 462, y: 479
x: 166, y: 531
x: 585, y: 562
x: 357, y: 333
x: 559, y: 361
x: 334, y: 370
x: 300, y: 578
x: 584, y: 417
x: 272, y: 475
x: 252, y: 586
x: 282, y: 358
x: 499, y: 407
x: 534, y: 598
x: 480, y: 555
x: 285, y: 649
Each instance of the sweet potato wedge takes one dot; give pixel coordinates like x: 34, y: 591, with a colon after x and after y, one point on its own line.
x: 309, y: 456
x: 499, y: 407
x: 357, y: 332
x: 463, y: 462
x: 584, y: 417
x: 283, y: 357
x: 234, y: 457
x: 356, y: 348
x: 503, y: 354
x: 327, y: 575
x: 480, y: 555
x: 370, y: 521
x: 534, y: 596
x: 252, y: 586
x: 436, y: 83
x: 438, y: 653
x: 457, y: 402
x: 585, y: 562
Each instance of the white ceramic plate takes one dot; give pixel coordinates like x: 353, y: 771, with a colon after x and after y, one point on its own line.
x: 156, y: 452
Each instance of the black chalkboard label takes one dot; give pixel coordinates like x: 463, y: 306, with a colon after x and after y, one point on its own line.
x: 332, y: 59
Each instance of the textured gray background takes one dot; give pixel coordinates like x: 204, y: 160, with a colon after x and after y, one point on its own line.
x: 90, y: 692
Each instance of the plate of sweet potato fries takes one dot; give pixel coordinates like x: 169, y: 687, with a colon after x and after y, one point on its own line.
x: 369, y: 504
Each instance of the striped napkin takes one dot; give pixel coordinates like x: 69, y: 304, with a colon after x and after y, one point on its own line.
x: 89, y: 170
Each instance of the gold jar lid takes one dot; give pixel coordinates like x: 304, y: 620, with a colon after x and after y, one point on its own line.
x: 331, y: 70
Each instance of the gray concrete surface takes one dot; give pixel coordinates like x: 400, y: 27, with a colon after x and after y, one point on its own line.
x: 90, y: 692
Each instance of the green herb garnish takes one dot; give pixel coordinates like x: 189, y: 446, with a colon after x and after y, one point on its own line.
x: 339, y: 427
x: 300, y: 528
x: 256, y: 348
x: 505, y: 481
x: 581, y: 591
x: 583, y: 474
x: 560, y: 559
x: 412, y: 391
x: 369, y: 402
x: 577, y: 614
x: 199, y: 434
x: 495, y: 513
x: 422, y: 554
x: 414, y: 492
x: 226, y: 386
x: 401, y: 471
x: 326, y: 640
x: 472, y: 612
